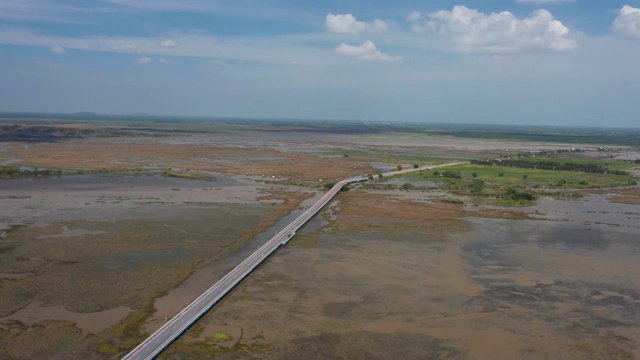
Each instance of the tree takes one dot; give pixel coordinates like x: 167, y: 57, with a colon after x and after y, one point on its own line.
x: 415, y: 166
x: 525, y: 176
x: 474, y: 174
x: 399, y: 167
x: 345, y: 187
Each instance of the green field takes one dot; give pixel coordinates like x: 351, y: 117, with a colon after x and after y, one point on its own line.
x: 518, y: 177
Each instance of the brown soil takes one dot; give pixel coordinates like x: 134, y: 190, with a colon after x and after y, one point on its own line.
x: 115, y: 153
x: 633, y: 200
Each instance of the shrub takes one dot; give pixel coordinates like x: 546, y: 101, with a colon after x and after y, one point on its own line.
x: 476, y: 186
x: 407, y: 186
x: 452, y: 174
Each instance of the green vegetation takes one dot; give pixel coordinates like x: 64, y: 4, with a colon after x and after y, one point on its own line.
x: 107, y: 349
x: 511, y: 186
x: 582, y: 165
x: 192, y: 175
x: 7, y: 172
x: 407, y: 186
x: 461, y: 176
x: 515, y: 197
x: 476, y: 186
x: 329, y: 185
x: 220, y: 337
x: 452, y: 174
x: 4, y: 249
x: 451, y: 200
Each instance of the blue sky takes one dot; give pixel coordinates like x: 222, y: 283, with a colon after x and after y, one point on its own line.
x: 541, y: 62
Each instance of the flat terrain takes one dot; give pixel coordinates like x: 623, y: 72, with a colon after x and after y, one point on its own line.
x: 410, y: 266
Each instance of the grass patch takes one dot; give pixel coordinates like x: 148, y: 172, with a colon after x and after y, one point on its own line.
x: 220, y: 337
x: 107, y: 349
x: 450, y: 200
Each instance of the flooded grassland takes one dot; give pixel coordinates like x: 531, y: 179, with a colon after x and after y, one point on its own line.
x: 402, y: 275
x: 90, y: 265
x: 82, y: 258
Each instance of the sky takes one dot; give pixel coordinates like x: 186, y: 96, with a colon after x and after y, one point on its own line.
x: 532, y: 62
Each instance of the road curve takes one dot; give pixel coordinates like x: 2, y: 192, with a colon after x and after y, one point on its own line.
x: 171, y: 330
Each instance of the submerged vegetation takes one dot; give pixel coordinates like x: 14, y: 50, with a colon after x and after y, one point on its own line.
x: 192, y: 175
x: 7, y: 172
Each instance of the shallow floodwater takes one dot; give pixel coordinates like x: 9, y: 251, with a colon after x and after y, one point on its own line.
x: 91, y: 249
x: 104, y: 182
x: 561, y: 285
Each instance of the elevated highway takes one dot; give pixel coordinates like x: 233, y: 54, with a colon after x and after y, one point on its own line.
x: 173, y: 328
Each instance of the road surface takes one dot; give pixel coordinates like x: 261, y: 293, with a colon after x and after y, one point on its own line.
x: 425, y: 167
x: 160, y: 339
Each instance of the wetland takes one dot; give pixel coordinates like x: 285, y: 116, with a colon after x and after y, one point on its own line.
x: 91, y: 264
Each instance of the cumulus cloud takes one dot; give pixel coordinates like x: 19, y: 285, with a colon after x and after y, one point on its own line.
x: 167, y: 43
x: 365, y: 51
x: 58, y: 49
x: 125, y: 47
x: 347, y: 24
x: 627, y: 23
x: 143, y: 60
x: 475, y: 32
x: 419, y: 23
x: 543, y: 1
x: 165, y: 61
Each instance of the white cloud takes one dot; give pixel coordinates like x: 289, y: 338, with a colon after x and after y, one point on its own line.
x: 543, y: 1
x: 125, y: 47
x: 472, y: 31
x: 419, y: 24
x: 627, y: 23
x: 143, y: 60
x: 167, y: 43
x: 165, y: 61
x: 58, y: 49
x: 347, y: 24
x: 414, y: 16
x: 365, y: 51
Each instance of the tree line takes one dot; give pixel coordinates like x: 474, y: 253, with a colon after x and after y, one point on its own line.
x: 550, y: 164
